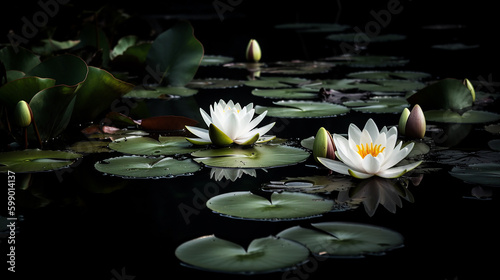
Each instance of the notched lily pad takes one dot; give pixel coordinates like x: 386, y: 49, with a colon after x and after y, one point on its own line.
x: 487, y: 174
x: 258, y: 156
x: 35, y: 160
x: 211, y: 60
x: 379, y: 105
x: 146, y: 167
x: 280, y: 206
x: 277, y: 82
x: 468, y: 117
x: 287, y: 93
x: 141, y: 145
x: 214, y: 83
x: 263, y: 255
x: 302, y: 109
x: 384, y: 75
x: 340, y: 239
x: 161, y: 92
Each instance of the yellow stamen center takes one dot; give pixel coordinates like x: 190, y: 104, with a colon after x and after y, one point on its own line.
x: 363, y: 151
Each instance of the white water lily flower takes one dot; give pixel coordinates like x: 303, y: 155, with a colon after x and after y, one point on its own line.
x: 229, y: 123
x: 369, y: 153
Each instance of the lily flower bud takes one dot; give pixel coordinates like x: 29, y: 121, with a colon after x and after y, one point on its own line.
x: 415, y: 124
x: 23, y: 114
x: 402, y: 121
x: 253, y: 53
x: 323, y: 145
x: 469, y: 85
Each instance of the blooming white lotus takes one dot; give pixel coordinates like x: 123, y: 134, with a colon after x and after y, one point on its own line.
x: 369, y: 153
x: 230, y: 123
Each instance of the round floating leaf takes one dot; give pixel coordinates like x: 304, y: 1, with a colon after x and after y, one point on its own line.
x: 383, y: 75
x: 341, y: 239
x: 481, y: 173
x: 214, y: 83
x: 146, y: 167
x: 494, y: 145
x: 35, y: 160
x: 165, y: 145
x: 379, y: 105
x: 469, y: 117
x: 276, y: 82
x: 302, y: 109
x: 373, y: 85
x: 209, y: 60
x: 160, y: 92
x: 281, y: 206
x: 263, y: 255
x: 355, y: 37
x: 313, y: 27
x: 366, y: 61
x: 258, y: 156
x: 288, y: 93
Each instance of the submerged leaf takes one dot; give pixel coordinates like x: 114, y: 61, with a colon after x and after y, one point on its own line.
x: 302, y: 109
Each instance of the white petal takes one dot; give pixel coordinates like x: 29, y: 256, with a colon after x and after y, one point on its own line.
x: 359, y: 174
x: 354, y: 134
x: 398, y: 171
x: 344, y: 151
x: 366, y: 138
x: 200, y: 132
x: 257, y: 120
x: 371, y: 164
x: 206, y: 117
x: 334, y: 165
x: 262, y: 130
x: 397, y: 155
x: 372, y: 129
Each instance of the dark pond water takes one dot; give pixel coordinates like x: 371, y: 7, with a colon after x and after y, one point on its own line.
x: 81, y: 224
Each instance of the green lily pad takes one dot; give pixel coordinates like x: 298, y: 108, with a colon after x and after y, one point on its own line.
x: 298, y: 67
x: 384, y: 75
x: 379, y: 105
x: 52, y: 108
x: 340, y: 239
x: 36, y: 160
x: 313, y: 27
x: 177, y: 53
x: 469, y: 117
x: 444, y: 94
x: 258, y: 156
x: 66, y: 69
x: 287, y: 93
x: 276, y: 82
x: 263, y: 255
x: 146, y: 167
x: 487, y: 174
x: 494, y: 145
x: 98, y: 85
x: 23, y: 89
x: 302, y: 109
x: 280, y: 206
x: 18, y: 58
x: 367, y: 61
x: 214, y: 83
x: 354, y: 37
x: 160, y: 92
x: 210, y: 60
x: 371, y: 85
x: 165, y: 145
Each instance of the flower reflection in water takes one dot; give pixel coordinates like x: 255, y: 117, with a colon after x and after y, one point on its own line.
x: 375, y: 191
x: 230, y: 173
